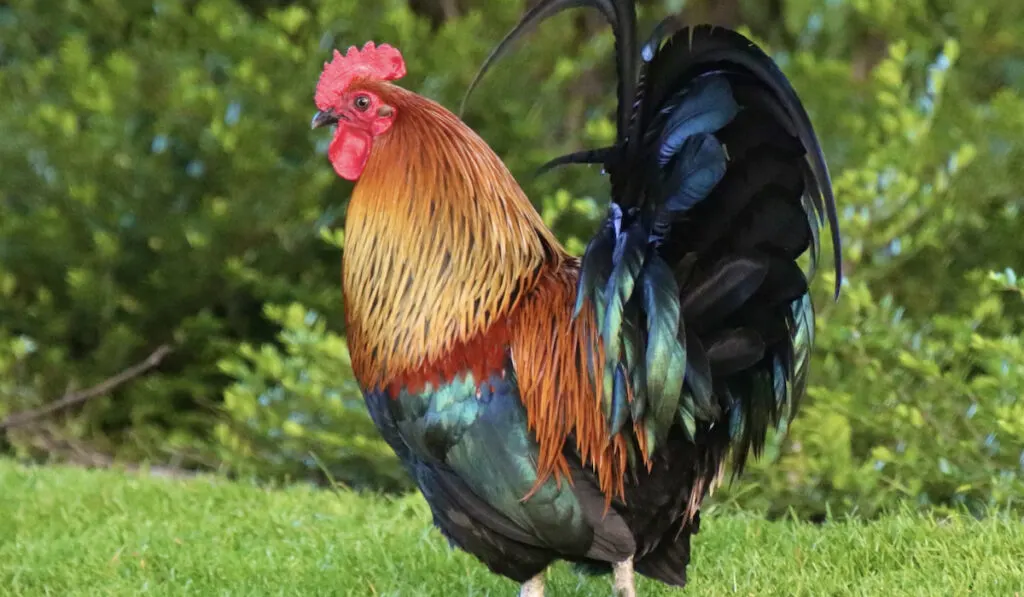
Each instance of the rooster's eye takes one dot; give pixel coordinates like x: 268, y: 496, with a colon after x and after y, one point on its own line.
x: 362, y: 102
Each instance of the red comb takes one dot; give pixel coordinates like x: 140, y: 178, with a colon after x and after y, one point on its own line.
x: 381, y: 62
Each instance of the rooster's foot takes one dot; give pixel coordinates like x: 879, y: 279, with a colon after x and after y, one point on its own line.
x: 533, y: 587
x: 623, y: 583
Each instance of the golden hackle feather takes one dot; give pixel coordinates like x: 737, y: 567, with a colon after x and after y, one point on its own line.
x: 448, y: 268
x: 441, y: 243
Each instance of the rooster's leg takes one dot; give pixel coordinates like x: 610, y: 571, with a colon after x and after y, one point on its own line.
x: 623, y: 582
x: 533, y: 587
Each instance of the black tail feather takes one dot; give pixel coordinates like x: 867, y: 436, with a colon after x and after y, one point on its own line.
x: 725, y: 170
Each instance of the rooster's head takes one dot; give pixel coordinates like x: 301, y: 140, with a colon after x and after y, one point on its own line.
x: 350, y: 95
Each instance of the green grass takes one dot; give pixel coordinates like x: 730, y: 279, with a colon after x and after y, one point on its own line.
x: 68, y: 532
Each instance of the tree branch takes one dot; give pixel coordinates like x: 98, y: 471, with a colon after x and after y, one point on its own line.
x: 73, y: 398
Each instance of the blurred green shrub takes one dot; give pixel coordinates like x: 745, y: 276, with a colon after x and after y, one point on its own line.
x: 158, y: 182
x: 152, y: 191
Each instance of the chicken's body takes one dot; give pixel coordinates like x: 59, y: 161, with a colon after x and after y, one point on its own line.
x: 553, y: 408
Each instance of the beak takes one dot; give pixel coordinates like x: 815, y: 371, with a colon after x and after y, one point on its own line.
x: 323, y: 118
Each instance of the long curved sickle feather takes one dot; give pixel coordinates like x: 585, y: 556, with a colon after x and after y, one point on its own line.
x: 665, y: 28
x: 621, y: 16
x: 583, y: 156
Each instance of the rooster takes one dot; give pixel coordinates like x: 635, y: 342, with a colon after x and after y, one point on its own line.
x: 554, y: 408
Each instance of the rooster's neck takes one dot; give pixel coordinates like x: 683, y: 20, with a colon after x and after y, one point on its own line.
x: 441, y: 244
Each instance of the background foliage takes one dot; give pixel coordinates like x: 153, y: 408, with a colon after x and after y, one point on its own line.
x: 159, y: 184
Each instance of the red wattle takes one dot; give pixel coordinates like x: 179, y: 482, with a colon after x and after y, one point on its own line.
x: 349, y: 151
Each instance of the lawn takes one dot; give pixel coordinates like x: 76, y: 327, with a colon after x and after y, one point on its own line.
x: 69, y: 532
